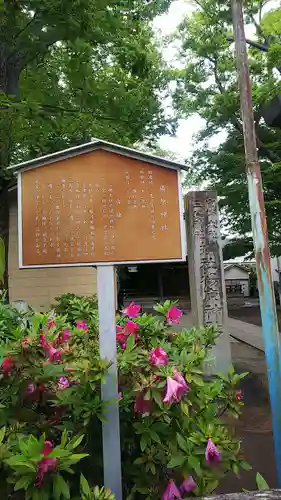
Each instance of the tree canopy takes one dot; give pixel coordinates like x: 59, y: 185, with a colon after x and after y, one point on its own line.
x: 70, y: 71
x: 207, y: 85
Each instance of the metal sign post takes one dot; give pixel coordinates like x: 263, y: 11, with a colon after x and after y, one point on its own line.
x: 107, y: 340
x: 260, y: 235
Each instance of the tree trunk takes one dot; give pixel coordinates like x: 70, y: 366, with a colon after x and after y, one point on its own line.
x: 9, y: 92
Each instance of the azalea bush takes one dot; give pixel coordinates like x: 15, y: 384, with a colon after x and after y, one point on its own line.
x: 75, y: 307
x: 10, y: 319
x: 174, y: 437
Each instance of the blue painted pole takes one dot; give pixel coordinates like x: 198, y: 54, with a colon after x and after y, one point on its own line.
x: 260, y: 235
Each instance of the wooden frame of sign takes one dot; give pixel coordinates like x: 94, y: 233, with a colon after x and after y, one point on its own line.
x: 99, y: 207
x: 100, y: 204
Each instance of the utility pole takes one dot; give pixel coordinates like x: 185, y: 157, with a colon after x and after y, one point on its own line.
x: 279, y: 278
x: 260, y: 236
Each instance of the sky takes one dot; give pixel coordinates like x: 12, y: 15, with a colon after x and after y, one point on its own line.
x: 182, y: 143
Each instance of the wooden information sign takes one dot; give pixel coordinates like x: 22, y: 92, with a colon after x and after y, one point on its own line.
x: 99, y: 208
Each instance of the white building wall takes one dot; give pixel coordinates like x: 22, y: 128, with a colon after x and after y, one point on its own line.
x: 237, y: 274
x: 274, y: 267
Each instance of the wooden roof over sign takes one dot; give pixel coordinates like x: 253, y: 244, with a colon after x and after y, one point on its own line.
x: 97, y: 144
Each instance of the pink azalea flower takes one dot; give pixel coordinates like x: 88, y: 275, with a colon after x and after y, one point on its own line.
x: 82, y: 325
x: 239, y: 395
x: 176, y: 387
x: 7, y: 366
x: 45, y: 465
x: 181, y: 380
x: 63, y: 383
x: 187, y: 485
x: 142, y: 405
x: 65, y: 335
x: 173, y: 315
x: 47, y: 448
x: 43, y: 341
x: 121, y: 338
x: 51, y: 323
x: 122, y: 335
x: 212, y: 453
x: 54, y: 354
x: 131, y: 327
x: 158, y: 357
x: 41, y: 388
x: 132, y: 311
x: 171, y: 492
x: 31, y: 388
x: 120, y: 397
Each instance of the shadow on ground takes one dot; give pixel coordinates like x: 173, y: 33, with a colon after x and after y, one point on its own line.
x: 254, y: 428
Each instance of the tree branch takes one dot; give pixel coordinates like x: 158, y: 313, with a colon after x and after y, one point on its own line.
x: 268, y: 153
x: 199, y: 4
x: 273, y: 157
x: 25, y: 27
x: 257, y: 26
x: 49, y: 108
x: 256, y: 45
x: 260, y: 10
x: 24, y: 61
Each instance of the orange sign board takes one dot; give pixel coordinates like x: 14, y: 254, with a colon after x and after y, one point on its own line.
x: 99, y: 207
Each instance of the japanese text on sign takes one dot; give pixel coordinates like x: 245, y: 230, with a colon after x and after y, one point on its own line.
x: 81, y: 210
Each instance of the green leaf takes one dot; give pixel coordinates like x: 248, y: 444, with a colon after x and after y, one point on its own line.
x: 211, y: 486
x: 176, y: 461
x: 154, y: 436
x: 2, y: 434
x: 34, y: 447
x: 74, y: 459
x: 51, y: 371
x: 60, y: 487
x: 235, y: 469
x: 21, y: 461
x: 74, y: 443
x: 23, y: 482
x: 261, y: 482
x: 182, y: 443
x: 223, y: 377
x: 58, y: 452
x: 37, y: 494
x: 185, y: 408
x: 244, y: 465
x: 197, y: 380
x: 57, y: 493
x: 84, y: 485
x: 23, y: 444
x: 157, y: 397
x: 64, y: 438
x: 144, y: 442
x: 194, y: 463
x: 231, y: 371
x: 130, y: 343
